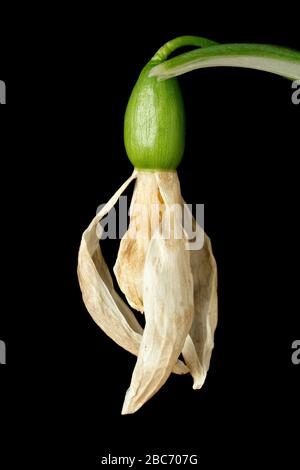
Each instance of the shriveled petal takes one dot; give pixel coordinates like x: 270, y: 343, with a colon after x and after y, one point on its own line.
x: 105, y: 306
x: 199, y: 345
x: 144, y: 220
x: 204, y: 271
x: 103, y: 303
x: 168, y: 302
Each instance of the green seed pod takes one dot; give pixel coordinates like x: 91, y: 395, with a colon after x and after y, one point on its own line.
x: 154, y: 127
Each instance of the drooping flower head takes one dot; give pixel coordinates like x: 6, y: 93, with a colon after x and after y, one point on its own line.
x: 174, y: 287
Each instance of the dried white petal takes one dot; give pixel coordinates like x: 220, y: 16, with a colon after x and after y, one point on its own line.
x: 103, y: 303
x: 199, y: 345
x: 144, y: 221
x: 168, y: 303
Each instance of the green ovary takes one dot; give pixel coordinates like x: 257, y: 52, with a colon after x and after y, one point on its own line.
x: 154, y: 127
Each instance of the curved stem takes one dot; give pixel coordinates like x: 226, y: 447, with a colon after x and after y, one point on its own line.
x: 278, y: 60
x: 182, y: 41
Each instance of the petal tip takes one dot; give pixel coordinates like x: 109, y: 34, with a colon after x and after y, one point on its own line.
x: 129, y: 405
x: 199, y: 382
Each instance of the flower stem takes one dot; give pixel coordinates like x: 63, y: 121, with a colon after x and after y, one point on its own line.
x: 182, y: 41
x: 275, y: 59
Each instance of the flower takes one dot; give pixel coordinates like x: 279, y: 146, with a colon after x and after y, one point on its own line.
x: 176, y: 288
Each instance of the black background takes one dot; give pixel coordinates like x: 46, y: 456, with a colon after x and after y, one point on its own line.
x: 68, y: 82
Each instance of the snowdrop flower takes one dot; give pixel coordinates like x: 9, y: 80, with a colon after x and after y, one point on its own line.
x: 174, y: 287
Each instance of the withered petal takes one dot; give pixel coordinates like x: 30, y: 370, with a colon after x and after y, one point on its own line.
x: 198, y: 349
x: 168, y: 302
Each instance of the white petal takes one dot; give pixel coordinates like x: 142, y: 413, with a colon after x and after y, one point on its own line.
x: 130, y: 263
x: 198, y: 348
x: 168, y: 303
x: 103, y: 303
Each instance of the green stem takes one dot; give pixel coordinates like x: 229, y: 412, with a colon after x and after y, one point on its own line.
x: 182, y: 41
x: 278, y: 60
